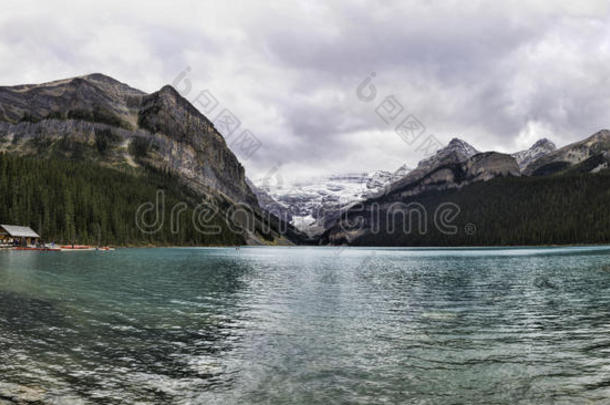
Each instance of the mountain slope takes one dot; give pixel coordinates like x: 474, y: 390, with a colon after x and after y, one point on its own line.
x: 269, y: 204
x: 100, y: 120
x: 442, y: 178
x: 455, y: 152
x: 316, y: 205
x: 570, y: 155
x: 502, y: 211
x: 565, y: 201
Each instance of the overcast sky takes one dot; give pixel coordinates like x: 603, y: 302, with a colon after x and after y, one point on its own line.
x: 499, y: 76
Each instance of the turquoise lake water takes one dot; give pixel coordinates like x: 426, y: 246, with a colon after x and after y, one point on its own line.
x: 306, y: 326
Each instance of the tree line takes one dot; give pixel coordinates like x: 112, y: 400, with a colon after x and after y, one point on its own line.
x: 572, y: 208
x: 66, y: 201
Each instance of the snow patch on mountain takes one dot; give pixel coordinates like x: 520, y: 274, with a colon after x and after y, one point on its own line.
x: 308, y: 202
x: 541, y: 148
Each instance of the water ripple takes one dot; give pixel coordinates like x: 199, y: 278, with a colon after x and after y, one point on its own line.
x: 307, y: 326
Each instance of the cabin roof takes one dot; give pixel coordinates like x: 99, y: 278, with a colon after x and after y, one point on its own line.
x: 20, y: 231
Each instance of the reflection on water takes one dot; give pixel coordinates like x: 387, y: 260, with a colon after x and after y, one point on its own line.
x: 306, y: 325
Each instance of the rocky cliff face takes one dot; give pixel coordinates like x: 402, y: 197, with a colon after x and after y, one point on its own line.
x: 480, y: 167
x: 188, y: 143
x: 161, y: 129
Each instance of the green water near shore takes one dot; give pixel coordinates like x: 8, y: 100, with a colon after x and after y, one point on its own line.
x: 306, y: 326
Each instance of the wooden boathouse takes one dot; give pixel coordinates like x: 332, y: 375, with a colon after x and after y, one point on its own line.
x: 14, y: 235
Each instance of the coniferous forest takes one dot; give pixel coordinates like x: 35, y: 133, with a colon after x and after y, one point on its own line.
x: 67, y: 201
x: 569, y: 208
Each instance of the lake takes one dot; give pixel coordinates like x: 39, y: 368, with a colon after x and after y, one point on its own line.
x: 306, y: 326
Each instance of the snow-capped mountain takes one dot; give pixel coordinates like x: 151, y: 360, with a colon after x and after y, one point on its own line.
x: 541, y: 148
x: 309, y: 204
x: 315, y: 204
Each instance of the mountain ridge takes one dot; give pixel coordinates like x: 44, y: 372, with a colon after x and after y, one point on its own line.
x: 99, y: 119
x: 447, y: 174
x: 382, y: 182
x: 96, y: 118
x: 571, y: 154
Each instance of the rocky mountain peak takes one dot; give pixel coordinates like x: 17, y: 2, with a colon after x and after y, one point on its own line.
x: 541, y: 148
x: 459, y: 144
x: 169, y: 91
x: 102, y: 82
x: 100, y: 77
x: 544, y: 143
x: 456, y: 151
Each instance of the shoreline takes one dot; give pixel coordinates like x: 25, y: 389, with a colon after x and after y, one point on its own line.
x: 385, y: 247
x: 364, y: 247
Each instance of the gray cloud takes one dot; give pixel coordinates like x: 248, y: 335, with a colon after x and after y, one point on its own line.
x: 497, y: 75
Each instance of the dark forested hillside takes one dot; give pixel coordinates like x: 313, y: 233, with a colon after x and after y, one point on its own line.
x: 570, y: 208
x: 65, y: 200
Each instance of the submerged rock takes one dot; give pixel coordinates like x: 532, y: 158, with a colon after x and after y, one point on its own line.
x: 20, y: 394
